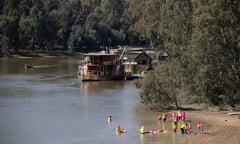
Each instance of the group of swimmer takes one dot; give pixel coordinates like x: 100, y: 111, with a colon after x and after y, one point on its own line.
x: 179, y: 119
x: 118, y: 129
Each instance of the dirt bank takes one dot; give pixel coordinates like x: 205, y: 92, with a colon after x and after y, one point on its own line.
x: 220, y: 128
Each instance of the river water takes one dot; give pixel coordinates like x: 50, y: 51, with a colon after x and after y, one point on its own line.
x: 49, y: 105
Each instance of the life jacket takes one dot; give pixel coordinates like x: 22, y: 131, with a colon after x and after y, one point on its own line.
x: 174, y: 114
x: 174, y: 125
x: 183, y: 126
x: 166, y: 114
x: 198, y: 125
x: 183, y: 114
x: 109, y: 119
x: 151, y: 131
x: 142, y: 130
x: 189, y: 131
x: 190, y: 125
x: 118, y: 129
x: 179, y: 113
x: 163, y: 115
x: 176, y: 117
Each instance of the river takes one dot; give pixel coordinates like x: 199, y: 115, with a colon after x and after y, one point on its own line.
x: 49, y: 105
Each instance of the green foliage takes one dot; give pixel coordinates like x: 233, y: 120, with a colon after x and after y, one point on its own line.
x: 170, y: 30
x: 202, y: 41
x: 166, y: 86
x: 154, y: 91
x: 44, y: 24
x: 4, y: 46
x: 6, y: 30
x: 26, y: 32
x: 216, y: 42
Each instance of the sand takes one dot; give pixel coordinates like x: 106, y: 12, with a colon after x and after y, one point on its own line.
x: 219, y: 128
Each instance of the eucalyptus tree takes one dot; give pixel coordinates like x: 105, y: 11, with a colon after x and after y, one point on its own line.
x: 139, y: 26
x: 46, y: 27
x: 79, y: 16
x: 216, y: 50
x: 103, y: 24
x: 1, y: 7
x: 5, y: 32
x: 11, y: 13
x: 26, y: 25
x: 110, y: 23
x: 170, y: 28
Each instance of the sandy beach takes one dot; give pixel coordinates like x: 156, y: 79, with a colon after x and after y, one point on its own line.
x: 220, y: 128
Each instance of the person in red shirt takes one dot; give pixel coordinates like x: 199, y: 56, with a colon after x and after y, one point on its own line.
x: 201, y: 128
x: 183, y: 114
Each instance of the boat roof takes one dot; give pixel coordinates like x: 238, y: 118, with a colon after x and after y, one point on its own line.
x: 102, y: 53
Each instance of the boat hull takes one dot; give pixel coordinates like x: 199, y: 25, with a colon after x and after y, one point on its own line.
x: 100, y: 78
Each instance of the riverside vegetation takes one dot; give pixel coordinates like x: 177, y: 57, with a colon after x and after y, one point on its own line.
x: 201, y: 38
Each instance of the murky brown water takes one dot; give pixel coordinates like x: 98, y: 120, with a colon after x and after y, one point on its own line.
x: 49, y: 105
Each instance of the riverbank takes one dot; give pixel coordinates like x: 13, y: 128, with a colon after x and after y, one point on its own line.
x: 49, y: 54
x: 220, y: 128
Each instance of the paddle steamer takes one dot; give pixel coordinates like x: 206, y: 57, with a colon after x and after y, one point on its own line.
x: 112, y: 64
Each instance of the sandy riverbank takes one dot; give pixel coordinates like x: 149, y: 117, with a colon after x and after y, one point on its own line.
x: 221, y: 128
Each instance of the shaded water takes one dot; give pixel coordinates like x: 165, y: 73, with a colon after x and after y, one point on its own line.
x: 49, y: 105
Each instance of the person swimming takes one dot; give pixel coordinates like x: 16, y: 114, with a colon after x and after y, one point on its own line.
x: 142, y: 130
x: 120, y: 130
x: 109, y: 119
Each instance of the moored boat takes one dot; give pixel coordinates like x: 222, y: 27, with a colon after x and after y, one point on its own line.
x: 100, y: 66
x: 114, y: 64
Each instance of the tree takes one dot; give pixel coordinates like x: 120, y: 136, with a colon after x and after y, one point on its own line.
x: 11, y: 10
x: 5, y: 31
x: 216, y: 41
x: 170, y: 30
x: 111, y: 13
x: 44, y: 24
x: 162, y: 87
x: 138, y: 29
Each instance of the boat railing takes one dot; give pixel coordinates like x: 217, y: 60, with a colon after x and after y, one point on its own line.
x: 128, y: 62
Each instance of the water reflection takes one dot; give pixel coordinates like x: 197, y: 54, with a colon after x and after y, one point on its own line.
x: 174, y: 139
x: 96, y: 86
